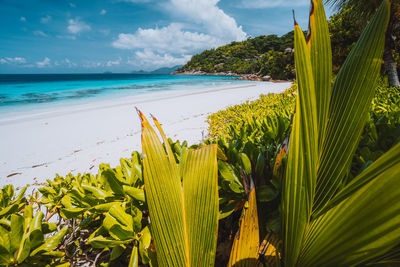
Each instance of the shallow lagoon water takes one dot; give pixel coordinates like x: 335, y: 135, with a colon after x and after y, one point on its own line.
x: 22, y: 93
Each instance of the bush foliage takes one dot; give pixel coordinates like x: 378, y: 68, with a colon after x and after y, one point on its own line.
x: 264, y: 55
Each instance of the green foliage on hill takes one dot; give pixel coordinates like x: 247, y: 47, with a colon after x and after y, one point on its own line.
x: 263, y: 55
x: 344, y: 28
x: 266, y: 55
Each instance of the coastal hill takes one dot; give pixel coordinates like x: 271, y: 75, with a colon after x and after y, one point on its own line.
x: 267, y: 55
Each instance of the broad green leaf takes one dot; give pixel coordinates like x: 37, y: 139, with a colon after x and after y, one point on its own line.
x: 35, y: 230
x: 9, y: 210
x: 363, y: 226
x: 245, y: 163
x: 104, y: 207
x: 24, y: 247
x: 260, y: 164
x: 134, y: 192
x: 184, y: 221
x: 97, y: 192
x: 57, y: 254
x: 299, y: 182
x: 144, y: 244
x: 5, y: 241
x: 228, y: 174
x: 319, y: 43
x: 134, y: 260
x: 116, y: 252
x: 51, y: 243
x: 72, y: 212
x: 137, y: 216
x: 126, y: 168
x: 244, y: 250
x: 351, y: 97
x: 118, y: 223
x: 78, y: 198
x: 5, y: 256
x: 17, y: 231
x: 119, y: 214
x: 21, y: 195
x: 104, y: 242
x: 116, y: 186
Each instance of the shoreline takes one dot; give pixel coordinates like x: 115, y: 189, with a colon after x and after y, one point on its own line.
x: 249, y: 77
x: 77, y: 139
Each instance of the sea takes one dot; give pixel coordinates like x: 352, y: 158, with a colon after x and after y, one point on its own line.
x: 30, y: 92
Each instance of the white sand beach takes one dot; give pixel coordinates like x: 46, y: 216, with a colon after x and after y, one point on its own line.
x: 36, y: 146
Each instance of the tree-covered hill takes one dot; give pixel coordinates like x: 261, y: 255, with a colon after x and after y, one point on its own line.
x: 270, y: 55
x: 264, y: 55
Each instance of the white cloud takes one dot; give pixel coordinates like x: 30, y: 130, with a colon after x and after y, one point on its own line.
x: 136, y: 1
x: 148, y: 59
x: 273, y: 3
x: 13, y: 60
x: 69, y: 63
x: 92, y: 64
x: 76, y: 26
x: 170, y: 39
x: 105, y: 32
x: 111, y: 63
x: 200, y: 25
x: 22, y: 19
x: 40, y: 33
x: 45, y: 63
x: 45, y: 19
x: 207, y: 14
x: 70, y: 37
x: 103, y: 12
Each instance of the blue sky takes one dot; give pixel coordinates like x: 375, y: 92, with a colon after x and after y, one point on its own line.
x: 56, y: 36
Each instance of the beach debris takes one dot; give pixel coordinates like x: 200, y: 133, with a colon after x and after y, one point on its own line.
x: 13, y: 174
x: 39, y: 165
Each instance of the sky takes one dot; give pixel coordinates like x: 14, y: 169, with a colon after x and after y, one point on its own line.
x: 92, y: 36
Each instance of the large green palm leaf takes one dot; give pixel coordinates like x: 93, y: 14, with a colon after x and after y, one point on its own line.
x: 363, y: 226
x: 351, y: 98
x: 184, y: 217
x: 300, y: 180
x: 356, y: 224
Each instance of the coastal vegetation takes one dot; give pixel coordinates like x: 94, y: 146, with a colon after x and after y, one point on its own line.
x: 264, y: 55
x: 273, y: 56
x: 308, y: 177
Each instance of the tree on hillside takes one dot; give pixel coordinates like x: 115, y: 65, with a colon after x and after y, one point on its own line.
x: 345, y: 28
x: 365, y: 9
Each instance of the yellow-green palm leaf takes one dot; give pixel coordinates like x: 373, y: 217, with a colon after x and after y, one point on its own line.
x: 184, y: 216
x: 299, y: 183
x: 244, y: 250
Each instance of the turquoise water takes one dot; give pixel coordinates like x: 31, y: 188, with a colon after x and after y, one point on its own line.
x: 29, y: 92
